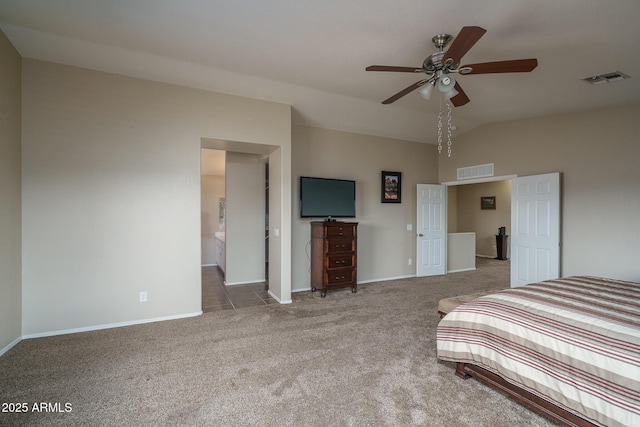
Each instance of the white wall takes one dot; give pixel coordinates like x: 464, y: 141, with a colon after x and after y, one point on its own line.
x: 384, y: 244
x: 597, y: 156
x: 10, y: 195
x: 280, y: 229
x: 245, y: 223
x: 111, y: 192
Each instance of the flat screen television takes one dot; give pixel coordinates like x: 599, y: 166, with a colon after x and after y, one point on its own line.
x: 327, y: 198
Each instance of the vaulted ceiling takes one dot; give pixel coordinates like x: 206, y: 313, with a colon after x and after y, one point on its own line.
x: 312, y: 54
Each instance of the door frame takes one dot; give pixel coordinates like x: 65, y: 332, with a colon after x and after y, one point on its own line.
x: 475, y: 181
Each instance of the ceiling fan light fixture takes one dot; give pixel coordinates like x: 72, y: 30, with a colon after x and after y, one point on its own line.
x: 426, y: 90
x: 453, y: 92
x: 446, y: 83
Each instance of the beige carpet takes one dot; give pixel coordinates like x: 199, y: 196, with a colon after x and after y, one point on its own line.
x: 365, y: 359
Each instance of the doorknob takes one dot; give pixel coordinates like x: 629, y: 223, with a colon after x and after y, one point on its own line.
x: 420, y: 235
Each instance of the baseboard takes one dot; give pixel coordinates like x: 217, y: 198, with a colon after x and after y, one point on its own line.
x: 385, y: 279
x: 10, y: 346
x: 275, y: 297
x: 110, y: 325
x: 244, y: 283
x: 364, y: 281
x: 460, y: 269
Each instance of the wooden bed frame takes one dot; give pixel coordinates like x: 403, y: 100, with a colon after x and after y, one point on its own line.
x: 538, y: 404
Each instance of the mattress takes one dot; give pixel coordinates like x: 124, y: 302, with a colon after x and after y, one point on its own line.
x: 573, y: 341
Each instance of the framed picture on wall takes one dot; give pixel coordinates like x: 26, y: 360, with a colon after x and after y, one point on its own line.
x: 488, y: 202
x: 391, y: 187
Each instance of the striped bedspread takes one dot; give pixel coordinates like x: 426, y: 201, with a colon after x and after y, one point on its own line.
x: 573, y: 341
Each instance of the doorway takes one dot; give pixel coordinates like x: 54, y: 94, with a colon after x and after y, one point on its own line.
x: 467, y: 214
x: 279, y: 210
x: 234, y: 224
x: 535, y: 219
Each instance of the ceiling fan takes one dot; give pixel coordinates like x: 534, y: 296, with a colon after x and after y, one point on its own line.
x: 441, y: 65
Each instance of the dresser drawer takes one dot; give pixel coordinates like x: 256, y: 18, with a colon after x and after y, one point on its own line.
x: 340, y: 261
x: 340, y: 230
x: 339, y: 245
x: 339, y: 276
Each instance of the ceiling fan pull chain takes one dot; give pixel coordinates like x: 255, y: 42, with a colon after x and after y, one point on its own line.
x: 448, y: 129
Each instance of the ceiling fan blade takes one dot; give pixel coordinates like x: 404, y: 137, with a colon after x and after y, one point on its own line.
x: 461, y: 98
x: 393, y: 68
x: 405, y: 91
x: 466, y: 38
x: 514, y: 66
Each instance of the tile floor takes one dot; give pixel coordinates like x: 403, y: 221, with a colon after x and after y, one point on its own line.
x: 217, y: 296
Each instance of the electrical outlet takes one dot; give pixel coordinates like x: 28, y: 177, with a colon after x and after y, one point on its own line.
x: 410, y: 262
x: 143, y: 296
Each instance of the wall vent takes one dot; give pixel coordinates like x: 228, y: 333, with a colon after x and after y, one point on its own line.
x: 606, y: 78
x: 478, y: 171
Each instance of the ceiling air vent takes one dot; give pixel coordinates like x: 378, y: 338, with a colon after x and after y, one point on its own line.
x: 606, y: 78
x: 478, y: 171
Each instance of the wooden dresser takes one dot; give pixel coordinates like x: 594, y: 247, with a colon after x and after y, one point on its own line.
x: 334, y: 262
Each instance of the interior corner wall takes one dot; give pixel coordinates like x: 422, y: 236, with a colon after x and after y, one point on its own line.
x: 10, y: 195
x: 596, y: 154
x: 384, y: 243
x: 111, y: 193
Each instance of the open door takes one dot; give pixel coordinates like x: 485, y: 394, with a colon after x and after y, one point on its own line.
x: 431, y: 229
x: 535, y: 228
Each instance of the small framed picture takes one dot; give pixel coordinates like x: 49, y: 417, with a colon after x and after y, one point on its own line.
x: 391, y: 187
x: 488, y: 202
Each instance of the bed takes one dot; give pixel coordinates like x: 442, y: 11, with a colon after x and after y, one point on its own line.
x: 568, y: 348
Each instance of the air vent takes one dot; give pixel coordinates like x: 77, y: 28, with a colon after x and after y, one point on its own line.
x: 606, y: 78
x: 478, y: 171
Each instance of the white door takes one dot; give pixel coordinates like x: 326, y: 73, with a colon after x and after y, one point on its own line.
x: 535, y: 228
x: 431, y: 230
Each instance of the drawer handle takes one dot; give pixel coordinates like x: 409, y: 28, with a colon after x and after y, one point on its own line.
x: 340, y: 262
x: 338, y: 277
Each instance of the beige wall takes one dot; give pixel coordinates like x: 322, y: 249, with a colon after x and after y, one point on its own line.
x: 452, y: 209
x: 484, y: 223
x: 245, y: 245
x: 111, y: 192
x: 10, y: 195
x: 597, y: 156
x: 384, y: 244
x: 211, y: 191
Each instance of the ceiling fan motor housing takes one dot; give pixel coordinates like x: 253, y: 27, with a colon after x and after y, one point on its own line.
x: 433, y: 62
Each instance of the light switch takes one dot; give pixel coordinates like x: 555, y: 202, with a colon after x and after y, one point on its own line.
x: 409, y: 227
